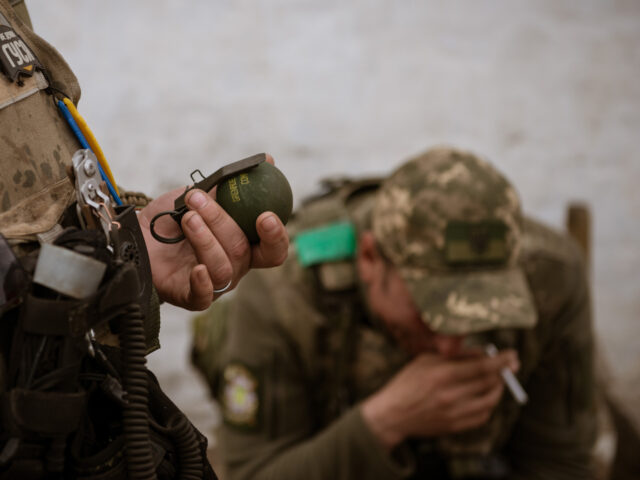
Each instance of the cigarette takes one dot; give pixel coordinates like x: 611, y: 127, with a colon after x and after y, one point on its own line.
x: 509, y: 378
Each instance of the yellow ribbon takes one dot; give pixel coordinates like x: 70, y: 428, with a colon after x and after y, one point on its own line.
x: 91, y: 140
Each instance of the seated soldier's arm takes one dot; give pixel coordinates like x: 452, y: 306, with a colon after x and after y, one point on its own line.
x: 554, y: 435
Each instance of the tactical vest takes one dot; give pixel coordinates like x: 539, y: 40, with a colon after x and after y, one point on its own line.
x: 324, y: 232
x: 76, y: 399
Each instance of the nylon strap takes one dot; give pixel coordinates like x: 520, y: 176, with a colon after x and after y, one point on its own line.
x: 49, y: 413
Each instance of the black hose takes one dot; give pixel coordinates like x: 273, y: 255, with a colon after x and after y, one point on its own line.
x: 134, y: 378
x: 190, y: 464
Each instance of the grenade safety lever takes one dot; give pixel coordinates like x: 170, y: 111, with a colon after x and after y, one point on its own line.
x: 206, y: 184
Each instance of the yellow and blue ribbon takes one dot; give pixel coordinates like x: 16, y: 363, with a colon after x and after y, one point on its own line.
x: 87, y: 140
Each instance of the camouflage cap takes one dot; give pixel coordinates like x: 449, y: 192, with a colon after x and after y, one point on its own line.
x: 452, y: 225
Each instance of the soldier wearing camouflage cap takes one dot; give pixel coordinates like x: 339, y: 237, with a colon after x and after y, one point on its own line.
x: 363, y: 356
x: 452, y: 226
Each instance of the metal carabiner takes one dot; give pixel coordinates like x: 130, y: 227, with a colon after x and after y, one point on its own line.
x: 89, y: 192
x: 206, y: 184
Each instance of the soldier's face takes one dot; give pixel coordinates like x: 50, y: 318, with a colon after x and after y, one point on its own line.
x: 389, y: 299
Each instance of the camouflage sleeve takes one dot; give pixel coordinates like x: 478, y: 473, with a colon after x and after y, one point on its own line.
x: 343, y: 451
x: 137, y: 199
x: 269, y: 429
x: 555, y: 434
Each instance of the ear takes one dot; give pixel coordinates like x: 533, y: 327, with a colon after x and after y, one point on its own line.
x: 368, y: 257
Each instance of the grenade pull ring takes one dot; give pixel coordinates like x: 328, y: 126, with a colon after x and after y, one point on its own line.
x: 206, y: 184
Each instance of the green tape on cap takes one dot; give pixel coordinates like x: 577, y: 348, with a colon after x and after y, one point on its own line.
x: 326, y: 244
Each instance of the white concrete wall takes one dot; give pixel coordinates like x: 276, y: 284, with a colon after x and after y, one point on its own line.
x: 548, y: 90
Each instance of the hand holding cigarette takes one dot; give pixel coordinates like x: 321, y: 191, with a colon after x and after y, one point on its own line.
x: 509, y: 378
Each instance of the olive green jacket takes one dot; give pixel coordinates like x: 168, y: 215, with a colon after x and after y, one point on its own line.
x: 290, y: 362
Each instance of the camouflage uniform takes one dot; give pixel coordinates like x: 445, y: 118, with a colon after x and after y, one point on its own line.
x: 302, y: 349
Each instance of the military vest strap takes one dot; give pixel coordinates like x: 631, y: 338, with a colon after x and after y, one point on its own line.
x: 22, y: 12
x: 324, y: 233
x: 29, y: 411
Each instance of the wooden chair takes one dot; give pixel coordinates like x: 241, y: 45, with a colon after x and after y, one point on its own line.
x: 620, y: 423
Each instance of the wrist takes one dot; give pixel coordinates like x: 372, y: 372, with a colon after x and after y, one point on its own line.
x: 380, y: 421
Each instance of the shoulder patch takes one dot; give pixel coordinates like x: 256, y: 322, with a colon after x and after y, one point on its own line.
x: 16, y: 58
x: 240, y: 397
x: 328, y: 243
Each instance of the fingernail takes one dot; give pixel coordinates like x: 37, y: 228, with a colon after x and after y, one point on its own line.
x: 197, y: 199
x: 269, y: 224
x: 195, y: 222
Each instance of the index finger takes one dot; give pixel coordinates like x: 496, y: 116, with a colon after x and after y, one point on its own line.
x: 222, y: 246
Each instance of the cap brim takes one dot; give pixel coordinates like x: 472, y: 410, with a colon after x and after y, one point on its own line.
x: 467, y: 302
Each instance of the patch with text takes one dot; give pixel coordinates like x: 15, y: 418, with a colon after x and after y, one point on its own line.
x: 16, y: 58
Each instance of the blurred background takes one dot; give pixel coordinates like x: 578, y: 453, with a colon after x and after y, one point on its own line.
x: 548, y: 91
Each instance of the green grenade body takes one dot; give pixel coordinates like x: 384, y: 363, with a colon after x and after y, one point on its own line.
x: 246, y: 195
